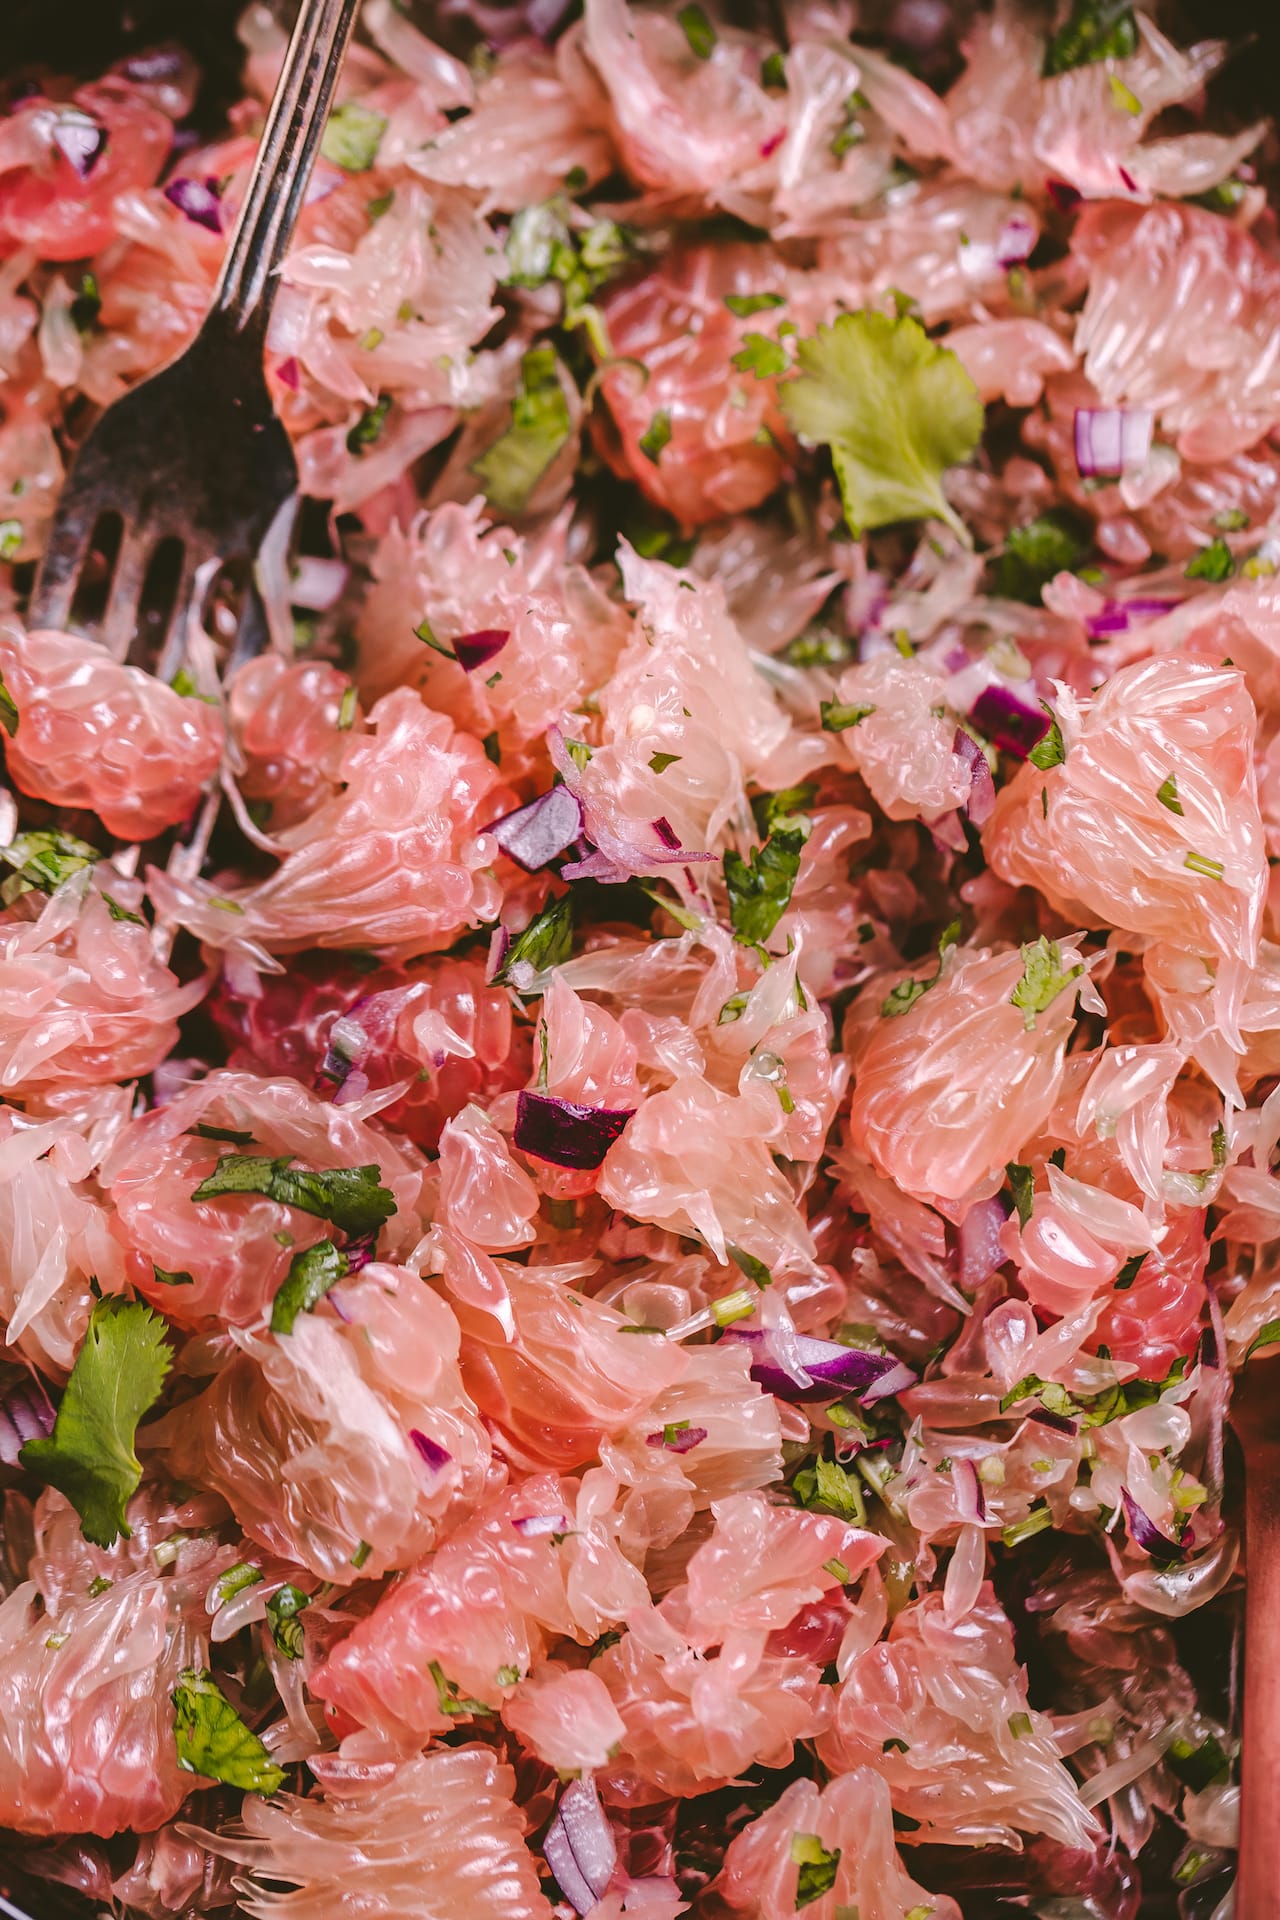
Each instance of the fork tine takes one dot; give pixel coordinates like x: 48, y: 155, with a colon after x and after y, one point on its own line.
x: 173, y: 643
x: 120, y: 623
x: 65, y: 555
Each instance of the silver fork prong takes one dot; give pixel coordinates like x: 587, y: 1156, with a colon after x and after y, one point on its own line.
x: 192, y: 585
x: 120, y: 623
x: 55, y: 589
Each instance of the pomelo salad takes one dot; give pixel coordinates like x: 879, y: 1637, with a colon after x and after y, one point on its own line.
x: 633, y: 1167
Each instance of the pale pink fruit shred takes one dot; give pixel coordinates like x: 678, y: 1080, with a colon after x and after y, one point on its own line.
x: 535, y: 1537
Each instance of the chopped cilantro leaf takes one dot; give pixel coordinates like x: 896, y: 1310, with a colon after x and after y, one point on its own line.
x: 760, y: 355
x: 760, y: 888
x: 785, y: 809
x: 214, y: 1741
x: 310, y: 1276
x: 540, y: 425
x: 748, y: 1265
x: 1167, y: 795
x: 659, y: 762
x: 1122, y: 96
x: 1022, y: 1187
x: 1129, y: 1272
x: 817, y: 1868
x: 1096, y: 30
x: 10, y: 539
x: 353, y: 136
x: 838, y: 717
x: 896, y: 411
x: 547, y: 941
x: 743, y: 305
x: 655, y: 439
x: 1197, y: 1767
x: 118, y: 1374
x: 1213, y: 562
x: 1054, y: 543
x: 48, y: 856
x: 283, y: 1609
x: 773, y: 71
x: 352, y: 1198
x: 370, y: 424
x: 449, y: 1700
x: 1043, y: 979
x: 1048, y: 750
x: 698, y: 31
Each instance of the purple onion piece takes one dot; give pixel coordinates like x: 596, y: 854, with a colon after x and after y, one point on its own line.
x: 896, y: 1380
x: 533, y: 835
x: 435, y: 1456
x: 1008, y: 720
x: 1016, y: 240
x: 1144, y: 1533
x: 970, y: 1501
x: 80, y: 141
x: 1112, y: 440
x: 566, y: 1134
x: 531, y: 1526
x: 831, y: 1367
x: 472, y: 650
x: 579, y: 1846
x: 682, y: 1442
x: 197, y: 200
x: 289, y: 374
x: 979, y: 1238
x: 982, y: 788
x: 26, y: 1413
x: 360, y: 1252
x: 1060, y: 1422
x: 667, y: 833
x: 1117, y: 614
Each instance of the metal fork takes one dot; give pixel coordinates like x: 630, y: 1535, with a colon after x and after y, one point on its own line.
x: 195, y: 457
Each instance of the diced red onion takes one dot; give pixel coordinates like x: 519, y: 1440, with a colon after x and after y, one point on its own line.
x: 1112, y: 440
x: 666, y: 833
x: 970, y: 1503
x: 472, y: 650
x: 1060, y: 1422
x: 533, y: 835
x: 1016, y: 240
x: 435, y: 1456
x: 1128, y: 180
x: 360, y: 1252
x: 1064, y: 196
x: 579, y: 1846
x: 197, y: 199
x: 683, y: 1441
x: 499, y: 947
x: 1144, y: 1532
x: 565, y: 1133
x: 982, y: 788
x: 1013, y: 723
x: 532, y: 1525
x: 80, y: 141
x: 348, y: 1045
x: 354, y: 1086
x: 772, y: 144
x: 1116, y: 615
x: 979, y: 1238
x: 289, y: 374
x: 896, y: 1380
x: 831, y: 1368
x: 26, y: 1413
x: 318, y: 583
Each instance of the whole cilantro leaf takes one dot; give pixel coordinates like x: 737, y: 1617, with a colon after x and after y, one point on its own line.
x: 1043, y: 979
x: 119, y: 1373
x: 310, y: 1276
x: 352, y: 1198
x: 760, y: 888
x: 540, y: 425
x: 896, y: 411
x: 212, y: 1739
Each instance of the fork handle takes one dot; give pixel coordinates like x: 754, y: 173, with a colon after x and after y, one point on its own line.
x: 282, y: 168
